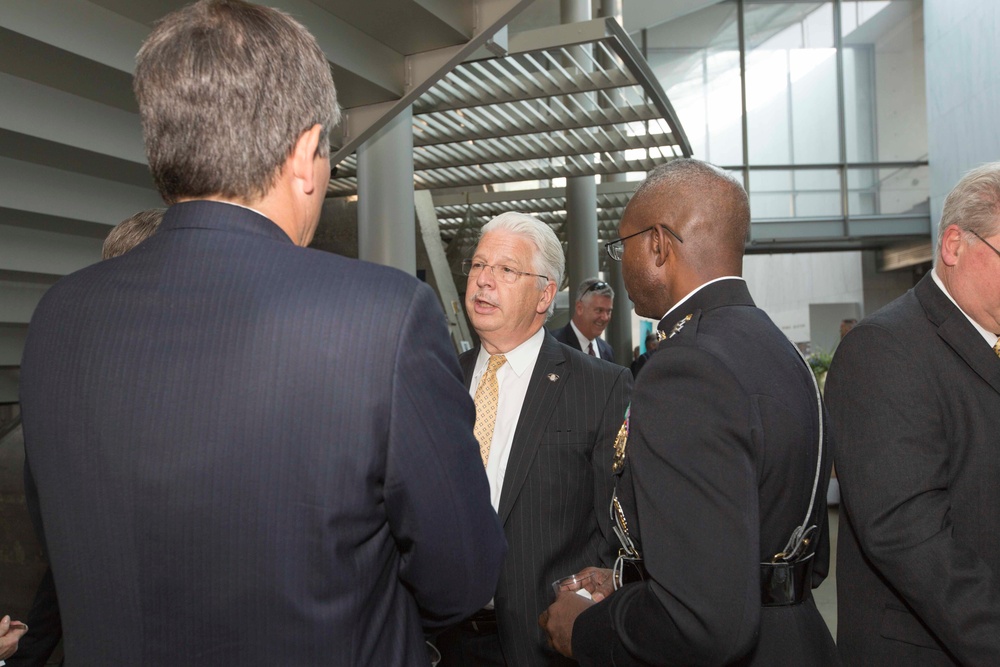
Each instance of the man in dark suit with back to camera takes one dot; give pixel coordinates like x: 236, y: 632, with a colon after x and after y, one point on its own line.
x: 546, y: 419
x: 914, y: 392
x: 591, y: 313
x: 224, y: 462
x: 721, y: 460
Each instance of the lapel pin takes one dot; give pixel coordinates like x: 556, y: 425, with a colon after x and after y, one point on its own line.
x: 552, y: 377
x: 680, y: 325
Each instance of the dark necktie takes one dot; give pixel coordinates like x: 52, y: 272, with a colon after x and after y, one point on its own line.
x: 590, y: 349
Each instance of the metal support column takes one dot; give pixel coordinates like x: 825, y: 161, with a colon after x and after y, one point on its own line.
x: 386, y: 222
x: 581, y: 191
x: 619, y: 331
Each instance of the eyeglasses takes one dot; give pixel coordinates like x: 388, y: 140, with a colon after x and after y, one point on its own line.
x: 985, y: 241
x: 617, y: 247
x: 596, y: 287
x: 505, y: 274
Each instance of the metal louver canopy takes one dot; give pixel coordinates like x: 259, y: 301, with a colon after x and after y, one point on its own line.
x: 548, y: 205
x: 548, y: 109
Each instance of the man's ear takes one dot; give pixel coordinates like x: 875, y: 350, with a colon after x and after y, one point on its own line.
x: 579, y: 307
x: 546, y: 297
x: 662, y: 245
x: 952, y: 245
x: 303, y: 157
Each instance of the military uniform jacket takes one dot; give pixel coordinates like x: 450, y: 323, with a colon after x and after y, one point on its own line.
x: 719, y: 468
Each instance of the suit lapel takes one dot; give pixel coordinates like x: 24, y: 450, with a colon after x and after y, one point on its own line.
x: 467, y: 360
x: 539, y: 403
x: 956, y: 330
x: 571, y: 338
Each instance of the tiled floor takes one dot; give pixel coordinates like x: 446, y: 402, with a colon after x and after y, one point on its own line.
x: 826, y: 594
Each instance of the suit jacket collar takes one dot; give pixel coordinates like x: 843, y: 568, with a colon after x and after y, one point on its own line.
x: 956, y: 330
x: 716, y: 295
x: 539, y: 402
x: 205, y: 214
x: 570, y: 336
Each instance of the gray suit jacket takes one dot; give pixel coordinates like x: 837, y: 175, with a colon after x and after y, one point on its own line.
x: 914, y: 392
x: 557, y: 488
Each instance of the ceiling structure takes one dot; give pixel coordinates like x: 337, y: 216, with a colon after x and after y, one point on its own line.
x: 572, y: 100
x: 72, y: 161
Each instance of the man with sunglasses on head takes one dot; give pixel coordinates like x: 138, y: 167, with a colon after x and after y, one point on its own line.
x: 723, y: 462
x: 591, y: 314
x: 914, y: 392
x: 546, y: 418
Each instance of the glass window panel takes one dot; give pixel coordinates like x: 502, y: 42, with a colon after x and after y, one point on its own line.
x: 888, y: 191
x: 800, y: 193
x: 697, y: 61
x: 791, y: 83
x: 884, y: 92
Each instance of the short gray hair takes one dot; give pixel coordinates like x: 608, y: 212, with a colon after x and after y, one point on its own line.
x: 974, y: 204
x: 588, y: 286
x: 225, y: 89
x: 132, y: 231
x: 549, y: 259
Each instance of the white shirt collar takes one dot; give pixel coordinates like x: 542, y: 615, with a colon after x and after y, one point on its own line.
x: 698, y: 289
x: 988, y: 336
x: 520, y: 359
x: 584, y: 341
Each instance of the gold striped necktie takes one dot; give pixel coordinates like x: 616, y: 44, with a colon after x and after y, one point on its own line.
x: 487, y: 397
x: 996, y: 348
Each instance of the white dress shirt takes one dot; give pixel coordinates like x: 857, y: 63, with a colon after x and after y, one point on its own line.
x: 988, y: 336
x: 512, y: 380
x: 585, y: 342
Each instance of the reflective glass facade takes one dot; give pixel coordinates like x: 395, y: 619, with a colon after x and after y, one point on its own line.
x: 820, y: 106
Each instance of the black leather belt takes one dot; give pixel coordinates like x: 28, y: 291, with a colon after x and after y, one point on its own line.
x: 785, y: 584
x: 483, y: 622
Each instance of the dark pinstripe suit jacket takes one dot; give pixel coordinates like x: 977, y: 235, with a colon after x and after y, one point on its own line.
x: 244, y: 452
x: 556, y: 489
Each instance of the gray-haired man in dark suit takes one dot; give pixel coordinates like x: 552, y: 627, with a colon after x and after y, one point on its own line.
x: 548, y: 455
x: 242, y: 451
x: 914, y: 392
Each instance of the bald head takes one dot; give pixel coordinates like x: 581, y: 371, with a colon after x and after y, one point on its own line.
x: 705, y: 206
x: 685, y: 225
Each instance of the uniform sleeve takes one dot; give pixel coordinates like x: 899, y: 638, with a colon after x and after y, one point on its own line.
x: 893, y: 451
x: 436, y: 492
x: 695, y: 484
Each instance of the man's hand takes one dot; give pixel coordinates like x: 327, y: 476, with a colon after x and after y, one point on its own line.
x: 10, y: 633
x: 603, y: 582
x: 558, y: 619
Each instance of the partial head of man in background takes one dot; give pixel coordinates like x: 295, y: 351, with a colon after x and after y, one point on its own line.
x: 131, y: 231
